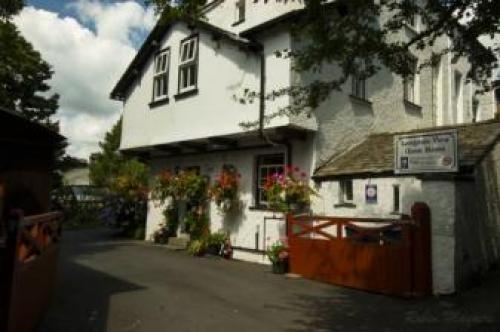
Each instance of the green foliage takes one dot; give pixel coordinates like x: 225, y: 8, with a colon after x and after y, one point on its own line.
x: 23, y: 76
x: 185, y: 186
x: 80, y: 216
x: 225, y: 190
x: 132, y: 180
x: 105, y: 166
x: 197, y: 247
x: 277, y: 252
x: 197, y: 224
x: 348, y: 32
x: 8, y: 8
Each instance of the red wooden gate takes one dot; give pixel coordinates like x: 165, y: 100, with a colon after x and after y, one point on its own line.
x: 380, y: 255
x: 32, y: 248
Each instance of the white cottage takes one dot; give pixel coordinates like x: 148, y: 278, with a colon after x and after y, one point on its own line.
x: 180, y: 110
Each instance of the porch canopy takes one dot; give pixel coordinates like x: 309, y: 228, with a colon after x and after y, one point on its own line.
x: 375, y: 154
x: 244, y: 140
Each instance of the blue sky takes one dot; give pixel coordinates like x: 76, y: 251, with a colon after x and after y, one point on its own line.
x: 89, y: 44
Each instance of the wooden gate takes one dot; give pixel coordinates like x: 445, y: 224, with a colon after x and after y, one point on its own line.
x: 32, y: 248
x: 380, y: 255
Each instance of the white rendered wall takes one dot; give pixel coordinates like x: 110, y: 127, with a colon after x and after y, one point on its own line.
x: 243, y: 227
x: 225, y: 71
x: 438, y: 195
x: 224, y: 14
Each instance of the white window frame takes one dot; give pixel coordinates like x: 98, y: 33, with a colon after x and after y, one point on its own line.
x: 263, y: 170
x: 410, y: 85
x: 344, y: 191
x: 358, y: 84
x: 188, y: 64
x: 160, y: 76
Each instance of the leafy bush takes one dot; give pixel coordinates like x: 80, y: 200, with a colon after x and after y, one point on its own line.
x: 197, y: 247
x: 278, y: 252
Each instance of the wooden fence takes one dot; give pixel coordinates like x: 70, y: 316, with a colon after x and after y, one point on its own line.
x: 31, y: 260
x: 380, y: 255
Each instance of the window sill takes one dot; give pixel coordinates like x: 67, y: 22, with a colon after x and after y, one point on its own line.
x: 412, y: 106
x: 261, y: 208
x: 160, y: 102
x: 345, y: 205
x: 185, y: 94
x: 396, y: 213
x: 360, y: 101
x: 238, y: 22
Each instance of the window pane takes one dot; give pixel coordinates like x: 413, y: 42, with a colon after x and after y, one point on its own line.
x: 164, y: 79
x: 191, y: 49
x: 192, y: 75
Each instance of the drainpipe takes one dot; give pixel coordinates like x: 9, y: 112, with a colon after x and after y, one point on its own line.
x: 262, y: 108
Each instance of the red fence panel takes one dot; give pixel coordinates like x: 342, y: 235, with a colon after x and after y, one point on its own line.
x: 32, y: 251
x: 380, y: 255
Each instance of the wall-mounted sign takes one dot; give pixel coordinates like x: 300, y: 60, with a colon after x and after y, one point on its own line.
x: 426, y: 153
x: 371, y: 194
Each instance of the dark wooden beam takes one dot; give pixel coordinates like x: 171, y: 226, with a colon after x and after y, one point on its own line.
x: 172, y: 149
x: 194, y: 146
x: 224, y: 141
x: 291, y: 133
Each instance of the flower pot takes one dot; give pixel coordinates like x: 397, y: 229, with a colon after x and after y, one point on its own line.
x: 280, y: 267
x: 213, y: 250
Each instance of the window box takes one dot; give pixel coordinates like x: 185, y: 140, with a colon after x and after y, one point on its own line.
x: 345, y: 205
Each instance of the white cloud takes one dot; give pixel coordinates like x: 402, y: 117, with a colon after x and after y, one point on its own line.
x: 86, y: 63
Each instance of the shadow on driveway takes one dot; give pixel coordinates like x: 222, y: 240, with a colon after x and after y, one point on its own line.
x: 110, y: 285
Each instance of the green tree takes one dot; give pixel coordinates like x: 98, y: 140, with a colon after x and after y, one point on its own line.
x: 346, y: 32
x: 105, y: 165
x: 9, y: 8
x: 23, y: 77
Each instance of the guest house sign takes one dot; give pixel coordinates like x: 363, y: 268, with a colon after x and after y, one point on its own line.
x: 426, y: 152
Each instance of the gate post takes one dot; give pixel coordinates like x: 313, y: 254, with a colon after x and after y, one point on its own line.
x: 421, y: 249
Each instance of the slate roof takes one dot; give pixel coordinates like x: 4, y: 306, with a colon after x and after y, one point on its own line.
x: 375, y: 155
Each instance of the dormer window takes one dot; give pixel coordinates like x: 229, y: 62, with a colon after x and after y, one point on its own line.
x: 160, y: 80
x: 188, y: 65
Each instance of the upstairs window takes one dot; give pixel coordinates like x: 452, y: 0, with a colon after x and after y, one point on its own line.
x: 410, y: 84
x: 411, y: 17
x: 160, y: 80
x: 267, y: 165
x: 240, y: 11
x: 358, y: 82
x: 188, y: 65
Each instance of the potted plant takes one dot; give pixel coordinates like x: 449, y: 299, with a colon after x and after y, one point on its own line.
x: 225, y: 190
x: 288, y: 191
x: 197, y: 247
x: 278, y: 255
x: 215, y: 243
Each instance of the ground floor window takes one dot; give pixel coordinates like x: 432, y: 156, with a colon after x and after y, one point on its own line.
x: 267, y: 165
x: 345, y: 191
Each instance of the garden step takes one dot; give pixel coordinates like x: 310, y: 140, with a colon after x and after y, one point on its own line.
x: 177, y: 243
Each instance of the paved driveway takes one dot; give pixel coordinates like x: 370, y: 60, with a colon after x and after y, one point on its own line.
x: 111, y: 285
